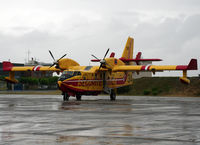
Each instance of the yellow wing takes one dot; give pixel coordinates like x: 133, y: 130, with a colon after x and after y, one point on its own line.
x: 147, y: 68
x: 7, y: 66
x: 191, y: 66
x: 35, y: 68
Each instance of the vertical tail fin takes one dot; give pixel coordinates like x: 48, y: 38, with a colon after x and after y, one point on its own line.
x: 128, y: 50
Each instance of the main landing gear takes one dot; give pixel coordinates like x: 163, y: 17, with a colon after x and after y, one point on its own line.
x: 113, y: 95
x: 78, y: 97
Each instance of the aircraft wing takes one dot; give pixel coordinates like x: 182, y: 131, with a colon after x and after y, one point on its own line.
x: 7, y: 66
x: 191, y: 66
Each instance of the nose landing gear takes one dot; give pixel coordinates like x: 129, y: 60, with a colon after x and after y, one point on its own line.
x: 65, y: 96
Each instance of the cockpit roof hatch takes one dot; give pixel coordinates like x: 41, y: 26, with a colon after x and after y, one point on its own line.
x: 88, y: 67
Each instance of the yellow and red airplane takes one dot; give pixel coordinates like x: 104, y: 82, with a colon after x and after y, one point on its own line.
x: 112, y: 73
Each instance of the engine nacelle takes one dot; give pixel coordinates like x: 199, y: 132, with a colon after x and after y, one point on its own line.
x: 66, y: 62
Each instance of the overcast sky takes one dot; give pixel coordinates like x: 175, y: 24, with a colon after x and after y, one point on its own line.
x: 166, y: 29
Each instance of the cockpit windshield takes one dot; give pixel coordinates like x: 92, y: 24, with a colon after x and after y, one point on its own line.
x: 68, y: 74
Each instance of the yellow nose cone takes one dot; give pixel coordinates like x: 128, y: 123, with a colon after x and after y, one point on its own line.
x: 59, y: 83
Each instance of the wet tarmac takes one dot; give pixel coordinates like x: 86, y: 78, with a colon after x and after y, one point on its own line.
x: 46, y: 119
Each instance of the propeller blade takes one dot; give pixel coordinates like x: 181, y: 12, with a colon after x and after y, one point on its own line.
x: 103, y: 62
x: 100, y: 66
x: 52, y: 65
x: 52, y: 55
x: 55, y: 61
x: 62, y: 57
x: 95, y: 57
x: 106, y: 53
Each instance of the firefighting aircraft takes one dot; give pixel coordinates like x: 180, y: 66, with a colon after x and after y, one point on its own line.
x: 112, y: 73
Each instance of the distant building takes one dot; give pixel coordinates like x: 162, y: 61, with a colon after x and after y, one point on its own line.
x: 6, y: 85
x: 36, y: 74
x: 142, y: 74
x: 18, y: 74
x: 3, y: 85
x: 34, y: 62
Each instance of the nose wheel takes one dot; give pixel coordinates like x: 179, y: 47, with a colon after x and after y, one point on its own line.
x: 65, y: 96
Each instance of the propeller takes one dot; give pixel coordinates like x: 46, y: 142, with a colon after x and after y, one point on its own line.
x: 102, y: 61
x: 55, y: 61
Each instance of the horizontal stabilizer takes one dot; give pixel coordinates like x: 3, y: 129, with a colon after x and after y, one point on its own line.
x: 95, y: 60
x: 128, y: 60
x: 138, y: 59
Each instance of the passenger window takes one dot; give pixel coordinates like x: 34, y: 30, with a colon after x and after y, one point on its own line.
x: 79, y: 73
x: 95, y: 76
x: 100, y: 76
x: 84, y: 77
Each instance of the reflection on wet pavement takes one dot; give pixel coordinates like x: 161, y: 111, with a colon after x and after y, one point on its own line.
x: 46, y: 119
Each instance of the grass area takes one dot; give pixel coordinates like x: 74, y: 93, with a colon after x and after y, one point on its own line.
x: 162, y: 86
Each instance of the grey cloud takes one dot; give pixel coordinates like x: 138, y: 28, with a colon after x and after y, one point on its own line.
x: 80, y: 35
x: 171, y: 34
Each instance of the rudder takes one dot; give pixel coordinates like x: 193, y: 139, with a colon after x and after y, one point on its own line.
x: 128, y: 50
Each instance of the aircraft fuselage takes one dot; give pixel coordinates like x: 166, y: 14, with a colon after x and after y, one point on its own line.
x: 88, y: 83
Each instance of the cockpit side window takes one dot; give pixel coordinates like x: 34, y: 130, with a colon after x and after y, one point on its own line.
x: 77, y: 73
x: 68, y: 74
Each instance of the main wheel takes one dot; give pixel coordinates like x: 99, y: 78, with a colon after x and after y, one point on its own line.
x: 65, y: 96
x: 78, y: 97
x: 113, y: 95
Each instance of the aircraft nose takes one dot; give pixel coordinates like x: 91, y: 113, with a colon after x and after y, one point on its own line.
x: 59, y: 83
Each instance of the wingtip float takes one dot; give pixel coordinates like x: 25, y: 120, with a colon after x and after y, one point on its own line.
x: 111, y: 74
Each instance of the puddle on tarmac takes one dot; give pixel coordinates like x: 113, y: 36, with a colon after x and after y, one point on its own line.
x: 138, y: 120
